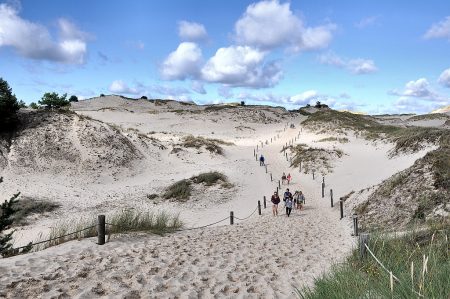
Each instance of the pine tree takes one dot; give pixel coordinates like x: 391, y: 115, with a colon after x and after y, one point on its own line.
x: 8, y: 107
x: 7, y: 211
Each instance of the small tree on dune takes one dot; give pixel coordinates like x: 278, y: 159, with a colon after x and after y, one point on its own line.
x: 7, y: 211
x: 8, y: 107
x: 73, y: 99
x: 54, y: 100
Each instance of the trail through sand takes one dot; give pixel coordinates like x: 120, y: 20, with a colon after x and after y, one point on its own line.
x: 262, y: 257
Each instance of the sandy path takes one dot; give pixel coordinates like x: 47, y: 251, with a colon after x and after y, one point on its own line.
x: 263, y: 257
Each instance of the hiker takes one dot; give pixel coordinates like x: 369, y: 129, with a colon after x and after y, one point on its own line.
x: 301, y: 199
x: 288, y: 204
x: 296, y: 199
x: 287, y: 195
x: 283, y: 178
x: 275, y: 200
x: 289, y: 178
x: 261, y: 160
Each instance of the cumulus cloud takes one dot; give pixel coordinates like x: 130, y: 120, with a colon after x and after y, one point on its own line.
x: 270, y: 24
x: 120, y: 87
x: 357, y: 66
x: 241, y: 66
x: 183, y: 63
x: 190, y: 31
x: 439, y: 30
x: 444, y: 78
x: 34, y: 41
x: 304, y: 98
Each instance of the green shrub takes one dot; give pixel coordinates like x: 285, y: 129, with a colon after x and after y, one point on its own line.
x: 180, y: 190
x: 27, y: 206
x: 209, y: 178
x: 212, y: 145
x: 8, y: 107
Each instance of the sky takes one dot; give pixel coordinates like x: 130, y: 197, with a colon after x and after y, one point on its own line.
x: 367, y: 56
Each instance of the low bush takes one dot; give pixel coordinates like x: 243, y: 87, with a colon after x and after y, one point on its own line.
x: 180, y: 190
x: 212, y: 145
x: 28, y: 206
x: 209, y: 178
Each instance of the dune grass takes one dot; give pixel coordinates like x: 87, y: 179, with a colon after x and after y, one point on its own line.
x: 180, y: 190
x: 419, y: 260
x: 331, y: 139
x: 123, y: 221
x: 209, y: 178
x: 28, y: 206
x: 211, y: 145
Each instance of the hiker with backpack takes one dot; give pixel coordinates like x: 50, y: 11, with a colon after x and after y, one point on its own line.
x: 287, y: 195
x: 288, y: 204
x: 283, y: 178
x: 275, y: 201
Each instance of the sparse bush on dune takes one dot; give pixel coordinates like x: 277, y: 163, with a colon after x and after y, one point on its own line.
x: 331, y: 139
x: 28, y: 206
x: 181, y: 190
x: 212, y: 145
x: 314, y: 159
x: 430, y: 116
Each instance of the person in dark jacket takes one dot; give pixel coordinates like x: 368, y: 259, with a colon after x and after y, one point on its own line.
x: 275, y: 201
x: 261, y: 160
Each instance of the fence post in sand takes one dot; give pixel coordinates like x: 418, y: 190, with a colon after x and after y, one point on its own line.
x: 271, y: 177
x: 323, y: 181
x: 264, y: 201
x: 256, y: 157
x: 331, y: 196
x: 363, y: 240
x: 266, y: 167
x: 355, y: 225
x: 300, y: 169
x: 270, y: 140
x: 254, y: 152
x: 341, y: 207
x: 259, y: 207
x: 231, y: 218
x: 323, y: 189
x: 256, y: 147
x: 277, y: 190
x: 101, y: 229
x: 279, y: 184
x: 313, y: 174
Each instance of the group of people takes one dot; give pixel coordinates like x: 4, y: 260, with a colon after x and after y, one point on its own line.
x: 290, y: 201
x: 286, y: 179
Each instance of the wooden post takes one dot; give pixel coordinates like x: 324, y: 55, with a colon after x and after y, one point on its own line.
x: 341, y: 206
x: 313, y: 174
x: 355, y: 225
x: 266, y: 167
x: 323, y: 181
x: 363, y: 240
x: 323, y: 189
x: 270, y: 140
x: 277, y: 190
x: 264, y: 202
x: 279, y: 184
x: 259, y: 207
x: 300, y: 166
x: 256, y: 157
x: 254, y: 152
x: 331, y: 196
x: 256, y: 147
x: 271, y: 177
x: 101, y: 229
x: 231, y: 218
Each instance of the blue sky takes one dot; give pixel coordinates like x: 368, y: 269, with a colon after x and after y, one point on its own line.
x: 371, y: 56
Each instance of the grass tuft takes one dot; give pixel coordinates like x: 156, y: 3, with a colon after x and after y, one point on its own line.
x: 212, y: 145
x: 28, y: 206
x: 180, y: 190
x: 209, y: 178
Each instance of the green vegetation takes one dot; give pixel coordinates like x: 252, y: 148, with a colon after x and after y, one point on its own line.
x: 430, y: 116
x: 121, y: 222
x: 54, y: 100
x: 212, y: 145
x: 209, y: 178
x: 313, y: 159
x: 331, y: 139
x: 27, y: 206
x: 180, y: 190
x: 405, y: 139
x: 8, y: 107
x: 419, y: 260
x: 33, y: 105
x: 73, y: 99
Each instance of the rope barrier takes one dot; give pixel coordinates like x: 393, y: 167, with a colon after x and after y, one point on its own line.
x: 56, y: 238
x: 247, y: 216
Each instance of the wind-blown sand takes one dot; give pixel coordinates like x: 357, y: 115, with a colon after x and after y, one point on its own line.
x: 262, y: 257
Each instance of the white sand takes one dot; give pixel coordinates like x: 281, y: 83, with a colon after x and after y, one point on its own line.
x: 262, y: 257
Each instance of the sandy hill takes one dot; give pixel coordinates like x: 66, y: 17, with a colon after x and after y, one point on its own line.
x: 112, y: 153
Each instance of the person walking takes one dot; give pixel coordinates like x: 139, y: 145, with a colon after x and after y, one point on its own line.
x: 261, y: 160
x: 283, y: 178
x: 288, y: 204
x: 287, y: 195
x: 288, y: 178
x: 301, y: 198
x: 275, y: 201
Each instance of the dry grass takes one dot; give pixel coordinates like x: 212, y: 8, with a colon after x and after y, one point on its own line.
x: 27, y: 206
x: 314, y: 159
x: 333, y: 139
x: 211, y: 145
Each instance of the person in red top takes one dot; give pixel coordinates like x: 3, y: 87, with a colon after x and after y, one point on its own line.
x: 275, y: 201
x: 289, y: 178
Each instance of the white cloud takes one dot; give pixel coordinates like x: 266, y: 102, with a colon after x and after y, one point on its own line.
x: 198, y: 87
x: 241, y: 66
x: 190, y: 31
x: 34, y: 41
x: 419, y: 88
x: 269, y: 24
x: 439, y: 30
x: 184, y: 62
x: 120, y: 87
x: 366, y: 22
x: 361, y: 66
x: 304, y: 98
x: 357, y: 66
x: 444, y: 78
